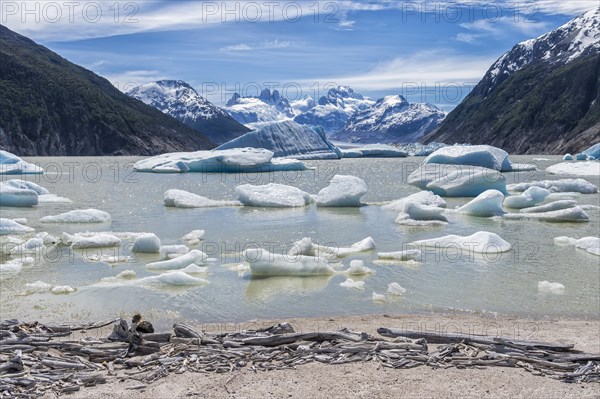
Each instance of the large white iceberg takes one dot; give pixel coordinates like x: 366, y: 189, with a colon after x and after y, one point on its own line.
x: 457, y: 180
x: 586, y: 168
x: 10, y: 164
x: 588, y: 244
x: 530, y: 197
x: 415, y: 214
x: 477, y: 155
x: 422, y: 197
x: 264, y: 263
x: 184, y: 199
x: 343, y: 191
x: 237, y: 160
x: 574, y: 214
x: 272, y: 195
x: 193, y: 257
x: 558, y: 186
x: 78, y: 216
x: 486, y: 204
x: 480, y: 242
x: 335, y: 251
x: 8, y: 226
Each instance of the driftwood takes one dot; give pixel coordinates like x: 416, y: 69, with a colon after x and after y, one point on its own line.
x: 36, y: 359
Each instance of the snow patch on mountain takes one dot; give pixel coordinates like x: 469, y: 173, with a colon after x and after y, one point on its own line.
x: 268, y: 107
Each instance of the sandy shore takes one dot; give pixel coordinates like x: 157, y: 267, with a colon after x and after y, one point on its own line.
x: 368, y: 380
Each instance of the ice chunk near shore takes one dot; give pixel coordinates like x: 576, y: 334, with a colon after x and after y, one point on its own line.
x: 421, y: 215
x: 530, y: 197
x: 358, y: 268
x: 90, y: 240
x: 364, y: 245
x: 422, y: 197
x: 38, y: 287
x: 406, y: 255
x: 218, y: 161
x: 552, y: 206
x: 349, y: 283
x: 62, y: 290
x: 558, y: 186
x: 264, y: 263
x: 147, y: 243
x: 78, y: 216
x: 480, y: 242
x: 574, y: 214
x: 174, y: 278
x: 457, y: 180
x: 343, y: 191
x: 11, y: 266
x: 180, y: 262
x: 551, y: 288
x: 486, y: 204
x: 586, y: 168
x: 184, y: 199
x: 8, y: 226
x: 484, y: 156
x: 272, y: 195
x: 378, y: 297
x: 194, y: 237
x: 396, y: 289
x: 10, y: 164
x: 589, y: 244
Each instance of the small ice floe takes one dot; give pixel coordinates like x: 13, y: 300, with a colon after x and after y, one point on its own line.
x: 586, y: 168
x: 13, y: 266
x: 422, y: 197
x: 567, y: 157
x: 558, y: 186
x: 486, y: 204
x: 194, y: 269
x: 180, y: 262
x: 530, y: 197
x: 589, y: 244
x: 396, y: 289
x: 457, y: 180
x: 8, y: 226
x: 32, y: 245
x: 10, y: 164
x: 409, y: 254
x: 194, y: 237
x: 551, y: 288
x: 173, y: 278
x: 124, y: 275
x: 90, y: 240
x: 364, y: 245
x: 62, y: 290
x: 541, y: 159
x: 38, y: 287
x: 78, y: 216
x: 147, y: 243
x: 552, y: 206
x: 349, y: 283
x: 264, y: 263
x: 378, y: 298
x: 303, y: 247
x: 480, y: 242
x: 272, y: 196
x: 343, y: 191
x: 358, y: 268
x: 53, y: 199
x: 20, y: 193
x: 421, y: 215
x: 484, y: 156
x: 98, y: 258
x: 184, y: 199
x: 374, y: 151
x: 173, y: 251
x: 574, y: 214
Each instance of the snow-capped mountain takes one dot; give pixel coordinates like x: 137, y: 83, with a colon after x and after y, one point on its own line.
x: 181, y: 101
x: 391, y: 119
x: 254, y: 112
x: 333, y: 110
x: 542, y: 96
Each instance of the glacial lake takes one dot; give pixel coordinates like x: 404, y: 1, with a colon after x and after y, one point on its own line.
x: 504, y: 283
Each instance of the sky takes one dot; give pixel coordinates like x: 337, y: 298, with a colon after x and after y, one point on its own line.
x: 428, y: 51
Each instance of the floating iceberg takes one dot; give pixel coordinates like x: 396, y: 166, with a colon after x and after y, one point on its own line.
x: 530, y: 197
x: 422, y: 197
x: 38, y: 287
x: 343, y: 191
x: 568, y: 157
x: 484, y: 156
x: 593, y: 151
x: 486, y: 204
x: 218, y: 161
x: 552, y: 206
x: 14, y: 196
x: 78, y: 216
x: 174, y: 278
x: 457, y: 180
x: 409, y: 254
x: 421, y: 215
x: 589, y: 244
x: 586, y: 168
x: 302, y: 247
x: 10, y: 164
x: 552, y: 288
x: 349, y: 283
x: 264, y: 263
x: 180, y: 262
x: 378, y: 297
x: 147, y: 243
x: 184, y: 199
x: 374, y: 151
x: 194, y: 269
x: 62, y: 290
x: 32, y: 245
x: 194, y: 237
x: 8, y: 226
x: 90, y: 240
x: 558, y: 186
x: 173, y: 251
x: 53, y: 199
x: 396, y: 289
x: 574, y: 214
x: 273, y: 196
x: 480, y: 242
x: 358, y: 268
x: 364, y: 245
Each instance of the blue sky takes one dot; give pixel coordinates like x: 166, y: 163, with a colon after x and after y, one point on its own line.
x: 428, y: 51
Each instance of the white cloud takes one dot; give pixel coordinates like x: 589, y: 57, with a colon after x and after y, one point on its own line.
x: 485, y: 28
x: 266, y: 45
